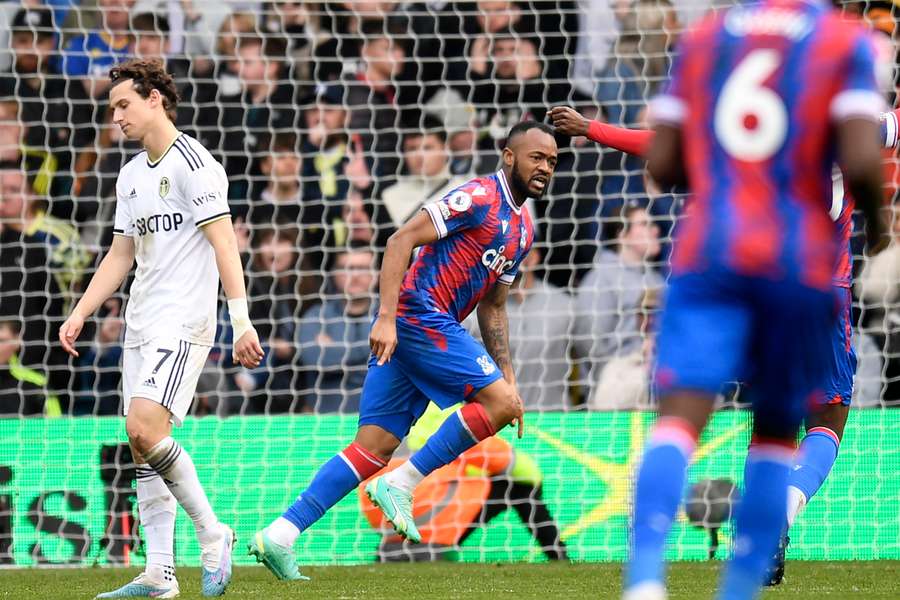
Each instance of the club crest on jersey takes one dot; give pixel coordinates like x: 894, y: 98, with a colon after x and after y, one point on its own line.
x: 164, y: 187
x: 459, y: 201
x: 487, y: 367
x: 495, y: 261
x: 524, y: 240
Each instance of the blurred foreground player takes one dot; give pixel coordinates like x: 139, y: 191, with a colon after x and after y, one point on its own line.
x: 471, y: 244
x: 172, y: 217
x: 825, y: 424
x: 750, y: 296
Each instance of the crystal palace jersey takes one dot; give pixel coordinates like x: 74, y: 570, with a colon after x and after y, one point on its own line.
x: 161, y: 206
x: 483, y: 237
x: 756, y: 92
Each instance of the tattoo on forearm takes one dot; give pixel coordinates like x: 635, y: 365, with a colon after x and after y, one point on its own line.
x: 495, y: 333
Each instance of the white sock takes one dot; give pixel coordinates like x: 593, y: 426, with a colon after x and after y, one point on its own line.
x: 283, y: 532
x: 796, y: 500
x: 175, y: 466
x: 406, y: 477
x: 156, y: 507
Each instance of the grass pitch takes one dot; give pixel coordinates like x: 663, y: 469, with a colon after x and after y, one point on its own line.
x: 813, y: 580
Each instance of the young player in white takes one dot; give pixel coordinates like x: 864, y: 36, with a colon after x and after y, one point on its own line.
x: 172, y: 217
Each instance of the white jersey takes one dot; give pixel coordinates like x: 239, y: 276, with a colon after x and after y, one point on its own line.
x: 162, y: 206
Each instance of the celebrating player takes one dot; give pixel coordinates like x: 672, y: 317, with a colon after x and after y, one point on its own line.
x: 472, y: 242
x: 825, y: 424
x: 172, y: 217
x: 753, y: 262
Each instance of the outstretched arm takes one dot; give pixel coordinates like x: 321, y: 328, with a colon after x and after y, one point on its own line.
x: 631, y: 141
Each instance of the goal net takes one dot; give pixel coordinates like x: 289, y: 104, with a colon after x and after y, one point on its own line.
x: 335, y: 122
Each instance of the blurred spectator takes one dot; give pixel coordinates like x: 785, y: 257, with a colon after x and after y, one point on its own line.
x: 458, y: 119
x: 100, y: 365
x: 91, y: 54
x: 624, y: 382
x: 552, y: 25
x: 509, y: 89
x: 27, y: 291
x: 541, y: 324
x: 211, y: 63
x: 23, y: 391
x: 151, y: 36
x: 372, y: 96
x: 264, y: 104
x: 280, y: 199
x: 23, y: 212
x: 640, y: 63
x: 333, y: 336
x: 354, y: 228
x: 31, y: 240
x: 276, y: 291
x: 609, y: 298
x: 291, y: 19
x: 426, y: 175
x: 571, y: 207
x: 634, y: 73
x: 325, y: 146
x: 152, y: 39
x: 878, y: 288
x: 53, y: 127
x: 95, y: 183
x: 11, y: 131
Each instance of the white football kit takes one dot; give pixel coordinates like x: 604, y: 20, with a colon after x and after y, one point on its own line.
x: 170, y: 316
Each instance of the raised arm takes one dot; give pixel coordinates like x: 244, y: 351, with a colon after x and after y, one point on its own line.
x: 109, y: 276
x: 220, y: 235
x: 631, y: 141
x: 418, y: 231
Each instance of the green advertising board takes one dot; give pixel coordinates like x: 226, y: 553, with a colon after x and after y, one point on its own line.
x: 52, y: 485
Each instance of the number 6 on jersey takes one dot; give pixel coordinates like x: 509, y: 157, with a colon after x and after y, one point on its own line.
x: 750, y: 119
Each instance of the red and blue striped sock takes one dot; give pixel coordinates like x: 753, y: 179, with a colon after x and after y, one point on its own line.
x: 334, y: 480
x: 459, y: 432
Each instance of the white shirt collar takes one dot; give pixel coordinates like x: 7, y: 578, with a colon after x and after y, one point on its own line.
x: 504, y: 186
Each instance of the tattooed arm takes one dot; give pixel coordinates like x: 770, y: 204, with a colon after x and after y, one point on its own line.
x: 494, y: 326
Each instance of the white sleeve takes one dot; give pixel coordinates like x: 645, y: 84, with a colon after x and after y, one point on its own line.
x: 206, y: 194
x: 123, y: 224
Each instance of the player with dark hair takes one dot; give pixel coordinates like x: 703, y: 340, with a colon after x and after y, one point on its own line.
x: 172, y: 218
x: 471, y: 243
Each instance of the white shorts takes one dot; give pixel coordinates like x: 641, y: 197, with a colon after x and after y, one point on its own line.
x: 164, y: 370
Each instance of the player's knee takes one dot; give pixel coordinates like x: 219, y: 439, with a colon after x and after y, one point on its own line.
x: 378, y: 441
x: 142, y: 435
x: 503, y: 405
x: 137, y: 432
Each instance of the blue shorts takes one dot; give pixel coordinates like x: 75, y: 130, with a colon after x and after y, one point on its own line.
x: 719, y: 327
x: 842, y: 361
x: 437, y: 360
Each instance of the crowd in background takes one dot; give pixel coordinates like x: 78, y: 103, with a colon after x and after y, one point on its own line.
x: 335, y: 122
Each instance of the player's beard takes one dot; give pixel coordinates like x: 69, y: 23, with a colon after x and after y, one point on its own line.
x: 520, y: 185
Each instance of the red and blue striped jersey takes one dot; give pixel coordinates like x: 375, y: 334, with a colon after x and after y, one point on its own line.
x: 756, y: 92
x: 482, y: 238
